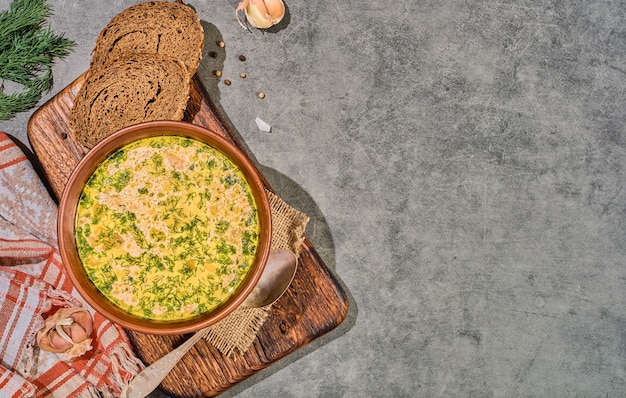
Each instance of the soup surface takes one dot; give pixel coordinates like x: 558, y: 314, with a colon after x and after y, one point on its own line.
x: 167, y: 227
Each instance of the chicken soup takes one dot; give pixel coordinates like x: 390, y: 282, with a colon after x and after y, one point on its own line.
x: 167, y: 228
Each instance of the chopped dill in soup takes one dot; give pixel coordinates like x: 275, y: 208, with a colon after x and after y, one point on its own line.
x: 167, y: 227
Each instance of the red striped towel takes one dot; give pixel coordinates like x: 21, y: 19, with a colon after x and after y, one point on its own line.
x: 33, y: 282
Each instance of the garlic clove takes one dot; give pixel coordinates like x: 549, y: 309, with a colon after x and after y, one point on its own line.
x: 76, y: 332
x: 57, y: 342
x: 256, y: 17
x: 261, y: 14
x: 275, y: 10
x: 84, y: 319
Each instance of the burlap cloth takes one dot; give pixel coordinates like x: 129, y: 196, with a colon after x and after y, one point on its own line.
x: 237, y: 331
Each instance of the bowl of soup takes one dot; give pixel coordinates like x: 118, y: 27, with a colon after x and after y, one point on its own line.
x: 164, y: 227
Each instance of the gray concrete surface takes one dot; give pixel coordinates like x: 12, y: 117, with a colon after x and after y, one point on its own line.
x: 463, y: 165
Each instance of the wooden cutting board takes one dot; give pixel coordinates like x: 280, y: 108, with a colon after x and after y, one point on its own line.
x: 313, y: 305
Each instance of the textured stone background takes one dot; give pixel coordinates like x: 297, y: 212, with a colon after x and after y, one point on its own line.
x: 463, y: 164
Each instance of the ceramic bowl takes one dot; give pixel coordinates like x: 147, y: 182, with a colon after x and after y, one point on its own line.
x: 67, y: 215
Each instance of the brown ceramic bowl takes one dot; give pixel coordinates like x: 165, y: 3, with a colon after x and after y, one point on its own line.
x: 67, y: 215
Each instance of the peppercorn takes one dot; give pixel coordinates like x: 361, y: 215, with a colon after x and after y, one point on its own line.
x: 242, y: 58
x: 227, y: 82
x: 242, y: 75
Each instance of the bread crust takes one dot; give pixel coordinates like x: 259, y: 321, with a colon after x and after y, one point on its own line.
x: 162, y: 27
x: 130, y: 90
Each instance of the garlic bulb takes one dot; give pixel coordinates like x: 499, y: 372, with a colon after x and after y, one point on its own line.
x: 261, y: 14
x: 67, y: 332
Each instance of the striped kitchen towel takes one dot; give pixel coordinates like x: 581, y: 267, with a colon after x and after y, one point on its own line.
x: 33, y: 284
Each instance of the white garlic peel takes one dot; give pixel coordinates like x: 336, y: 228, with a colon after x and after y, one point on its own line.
x: 261, y: 14
x: 262, y: 125
x: 61, y: 331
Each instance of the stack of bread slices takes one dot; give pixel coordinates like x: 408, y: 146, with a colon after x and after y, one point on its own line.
x: 141, y: 70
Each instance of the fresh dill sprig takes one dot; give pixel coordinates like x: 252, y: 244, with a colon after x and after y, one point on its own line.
x: 28, y: 50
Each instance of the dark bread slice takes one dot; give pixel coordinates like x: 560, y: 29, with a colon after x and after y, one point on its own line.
x: 131, y: 90
x: 162, y: 27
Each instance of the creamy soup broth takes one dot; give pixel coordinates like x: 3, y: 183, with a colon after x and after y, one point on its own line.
x: 167, y: 228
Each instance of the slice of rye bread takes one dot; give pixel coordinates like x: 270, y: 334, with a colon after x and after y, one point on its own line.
x: 131, y: 90
x: 162, y: 27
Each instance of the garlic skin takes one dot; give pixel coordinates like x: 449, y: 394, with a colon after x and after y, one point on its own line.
x: 261, y: 14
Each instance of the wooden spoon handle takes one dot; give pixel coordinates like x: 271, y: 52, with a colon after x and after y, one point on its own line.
x: 150, y: 378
